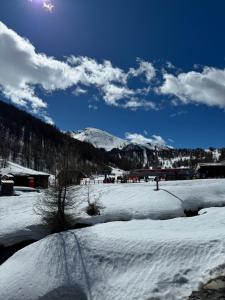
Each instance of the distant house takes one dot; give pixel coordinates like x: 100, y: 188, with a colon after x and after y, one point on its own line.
x: 71, y: 176
x: 211, y: 170
x: 167, y: 174
x: 24, y: 176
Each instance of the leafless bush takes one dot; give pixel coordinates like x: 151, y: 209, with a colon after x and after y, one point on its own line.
x: 58, y: 205
x: 94, y: 205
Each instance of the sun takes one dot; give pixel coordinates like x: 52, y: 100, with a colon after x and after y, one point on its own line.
x: 46, y: 4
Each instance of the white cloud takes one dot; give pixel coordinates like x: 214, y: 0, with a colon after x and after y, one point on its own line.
x: 112, y: 93
x: 79, y: 91
x: 48, y: 120
x: 178, y: 113
x: 92, y: 106
x: 145, y: 68
x: 170, y: 65
x: 22, y: 69
x: 137, y: 138
x: 135, y: 103
x: 206, y: 87
x: 24, y: 72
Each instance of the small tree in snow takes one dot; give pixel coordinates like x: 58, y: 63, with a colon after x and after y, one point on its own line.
x: 59, y: 203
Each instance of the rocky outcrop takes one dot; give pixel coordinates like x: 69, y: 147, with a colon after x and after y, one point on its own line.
x: 213, y: 290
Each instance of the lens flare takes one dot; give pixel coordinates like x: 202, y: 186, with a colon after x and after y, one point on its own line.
x: 46, y: 4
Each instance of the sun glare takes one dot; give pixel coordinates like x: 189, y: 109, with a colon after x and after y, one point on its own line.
x: 46, y: 4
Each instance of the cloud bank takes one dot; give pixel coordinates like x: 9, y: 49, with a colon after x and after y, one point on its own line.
x: 206, y: 87
x: 24, y: 72
x: 25, y: 75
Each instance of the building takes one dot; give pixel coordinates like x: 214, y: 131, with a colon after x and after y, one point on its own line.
x: 24, y: 176
x: 211, y: 170
x: 167, y: 174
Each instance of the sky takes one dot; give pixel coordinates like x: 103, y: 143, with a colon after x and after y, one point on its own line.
x: 154, y: 69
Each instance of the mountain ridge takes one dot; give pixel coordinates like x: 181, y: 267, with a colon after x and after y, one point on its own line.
x: 102, y: 139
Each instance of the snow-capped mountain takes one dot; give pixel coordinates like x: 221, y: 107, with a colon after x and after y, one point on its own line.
x: 99, y: 138
x: 136, y: 151
x: 107, y: 141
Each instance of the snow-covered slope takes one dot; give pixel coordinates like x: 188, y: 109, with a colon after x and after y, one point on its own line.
x: 136, y: 260
x: 103, y: 139
x: 99, y: 138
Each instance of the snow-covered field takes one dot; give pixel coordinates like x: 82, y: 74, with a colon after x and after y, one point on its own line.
x: 154, y: 254
x: 121, y: 202
x: 141, y: 201
x: 139, y: 259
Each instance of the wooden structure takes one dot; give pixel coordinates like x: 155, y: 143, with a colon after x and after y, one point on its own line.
x: 7, y: 187
x: 166, y: 174
x: 211, y: 170
x: 24, y: 176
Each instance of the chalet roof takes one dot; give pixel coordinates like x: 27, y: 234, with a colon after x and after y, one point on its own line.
x: 217, y: 164
x: 15, y: 169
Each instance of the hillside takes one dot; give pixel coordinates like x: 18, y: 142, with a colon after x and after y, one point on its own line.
x: 128, y: 155
x: 99, y: 138
x: 27, y: 140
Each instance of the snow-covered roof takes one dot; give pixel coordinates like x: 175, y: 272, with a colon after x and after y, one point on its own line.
x: 222, y: 163
x: 15, y: 169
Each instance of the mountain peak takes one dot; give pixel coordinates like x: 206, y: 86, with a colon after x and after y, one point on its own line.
x: 102, y: 139
x: 99, y: 138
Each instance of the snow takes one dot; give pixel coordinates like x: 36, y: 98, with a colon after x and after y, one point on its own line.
x: 118, y: 172
x: 121, y: 202
x: 107, y: 141
x: 18, y: 221
x: 135, y: 260
x: 168, y: 163
x: 99, y: 138
x: 130, y: 201
x: 140, y: 200
x: 13, y: 168
x: 216, y: 154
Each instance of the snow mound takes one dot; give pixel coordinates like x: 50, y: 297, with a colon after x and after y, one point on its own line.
x: 136, y: 260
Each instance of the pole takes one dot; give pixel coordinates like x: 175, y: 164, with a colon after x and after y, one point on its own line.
x: 157, y: 183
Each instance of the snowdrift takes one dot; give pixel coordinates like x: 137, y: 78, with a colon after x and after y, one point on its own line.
x: 140, y: 259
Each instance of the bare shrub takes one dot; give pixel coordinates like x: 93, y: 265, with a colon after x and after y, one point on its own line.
x: 57, y: 207
x: 94, y: 205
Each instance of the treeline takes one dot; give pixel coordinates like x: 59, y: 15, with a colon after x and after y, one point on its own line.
x: 135, y: 157
x: 28, y: 141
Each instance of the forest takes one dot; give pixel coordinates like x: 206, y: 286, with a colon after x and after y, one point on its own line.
x: 29, y: 141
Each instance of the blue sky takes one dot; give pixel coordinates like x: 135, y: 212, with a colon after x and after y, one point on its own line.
x: 176, y: 89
